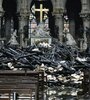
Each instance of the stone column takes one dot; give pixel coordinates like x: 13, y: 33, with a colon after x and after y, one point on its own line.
x: 85, y: 5
x: 23, y: 21
x: 85, y: 14
x: 58, y: 12
x: 1, y: 13
x: 59, y: 24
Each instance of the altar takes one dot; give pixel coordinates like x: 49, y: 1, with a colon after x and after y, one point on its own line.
x: 41, y: 34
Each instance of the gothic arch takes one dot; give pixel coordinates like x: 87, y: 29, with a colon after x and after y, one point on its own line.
x: 47, y: 4
x: 73, y: 8
x: 10, y: 8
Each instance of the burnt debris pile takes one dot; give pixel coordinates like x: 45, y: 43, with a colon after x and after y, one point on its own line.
x: 55, y: 60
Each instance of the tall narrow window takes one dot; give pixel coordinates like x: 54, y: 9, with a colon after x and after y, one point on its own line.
x: 39, y: 14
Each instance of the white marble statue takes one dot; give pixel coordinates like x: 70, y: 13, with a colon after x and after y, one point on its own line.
x: 70, y: 39
x: 13, y: 40
x: 41, y: 31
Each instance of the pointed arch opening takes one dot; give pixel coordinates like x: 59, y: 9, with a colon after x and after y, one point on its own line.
x: 47, y: 17
x: 74, y: 8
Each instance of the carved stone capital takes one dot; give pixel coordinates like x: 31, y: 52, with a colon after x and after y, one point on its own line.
x: 85, y: 15
x: 58, y: 11
x: 24, y: 13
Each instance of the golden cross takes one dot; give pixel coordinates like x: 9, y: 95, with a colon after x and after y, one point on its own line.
x: 41, y: 10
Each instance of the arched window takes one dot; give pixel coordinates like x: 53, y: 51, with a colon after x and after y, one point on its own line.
x: 41, y: 11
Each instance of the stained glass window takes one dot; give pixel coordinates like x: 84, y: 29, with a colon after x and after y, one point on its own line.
x: 33, y: 21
